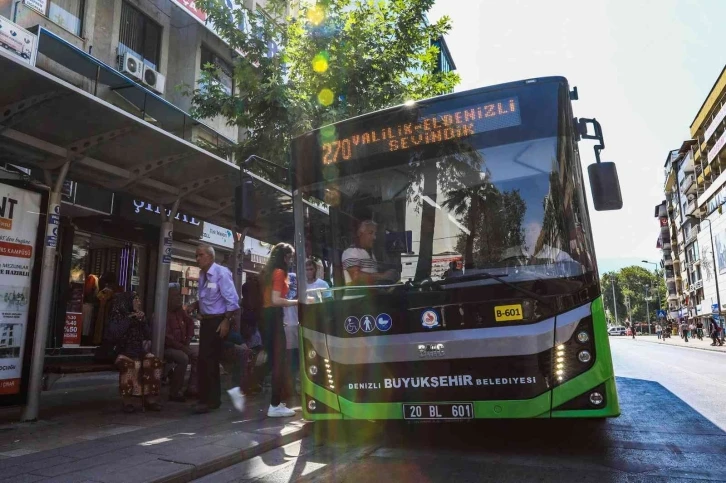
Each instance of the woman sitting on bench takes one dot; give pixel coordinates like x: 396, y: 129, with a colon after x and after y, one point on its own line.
x: 139, y: 370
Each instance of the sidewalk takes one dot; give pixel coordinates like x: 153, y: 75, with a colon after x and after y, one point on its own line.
x: 676, y: 340
x: 84, y: 437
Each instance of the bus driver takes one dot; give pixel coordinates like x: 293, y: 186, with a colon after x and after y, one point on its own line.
x: 360, y: 266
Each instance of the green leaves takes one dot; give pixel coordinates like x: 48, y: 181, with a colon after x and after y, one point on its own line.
x: 377, y: 54
x: 630, y: 292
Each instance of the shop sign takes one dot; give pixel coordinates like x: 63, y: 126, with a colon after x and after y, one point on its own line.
x: 72, y: 329
x: 141, y: 206
x: 17, y: 41
x: 713, y: 152
x: 40, y: 6
x: 19, y: 224
x: 217, y: 235
x: 150, y: 214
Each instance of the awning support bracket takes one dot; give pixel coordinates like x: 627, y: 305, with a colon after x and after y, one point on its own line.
x: 25, y: 107
x: 142, y: 169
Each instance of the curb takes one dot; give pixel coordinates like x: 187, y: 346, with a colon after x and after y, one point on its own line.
x: 212, y: 466
x: 709, y: 349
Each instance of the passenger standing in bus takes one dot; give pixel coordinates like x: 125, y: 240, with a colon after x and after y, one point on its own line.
x: 275, y: 287
x: 218, y: 302
x: 359, y: 263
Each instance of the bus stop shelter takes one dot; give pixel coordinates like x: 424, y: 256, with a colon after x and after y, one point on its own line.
x: 66, y: 132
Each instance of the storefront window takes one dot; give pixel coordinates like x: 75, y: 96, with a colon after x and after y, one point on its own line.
x: 68, y: 14
x: 100, y: 268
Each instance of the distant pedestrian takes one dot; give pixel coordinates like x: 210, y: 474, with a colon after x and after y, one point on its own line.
x: 684, y: 331
x: 715, y: 332
x: 218, y: 303
x: 699, y: 329
x: 658, y: 330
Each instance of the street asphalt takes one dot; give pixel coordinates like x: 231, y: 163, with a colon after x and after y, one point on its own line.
x: 672, y: 428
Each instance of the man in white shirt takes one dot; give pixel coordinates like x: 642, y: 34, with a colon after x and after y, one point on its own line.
x: 360, y: 266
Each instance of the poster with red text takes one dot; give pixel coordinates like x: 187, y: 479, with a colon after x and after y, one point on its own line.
x: 19, y: 218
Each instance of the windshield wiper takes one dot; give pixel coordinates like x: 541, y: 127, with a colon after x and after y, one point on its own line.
x: 498, y: 278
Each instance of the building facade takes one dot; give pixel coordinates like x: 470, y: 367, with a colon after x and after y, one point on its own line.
x: 695, y: 193
x: 159, y: 45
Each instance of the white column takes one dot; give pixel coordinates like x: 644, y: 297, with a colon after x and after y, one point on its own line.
x: 45, y: 300
x: 163, y: 268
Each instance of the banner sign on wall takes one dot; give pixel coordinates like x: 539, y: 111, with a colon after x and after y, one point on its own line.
x: 17, y: 41
x: 217, y: 235
x: 40, y: 6
x: 19, y: 222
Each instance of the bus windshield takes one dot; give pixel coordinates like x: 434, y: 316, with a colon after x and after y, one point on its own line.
x: 487, y: 184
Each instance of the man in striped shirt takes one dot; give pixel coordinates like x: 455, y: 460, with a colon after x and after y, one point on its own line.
x: 359, y: 264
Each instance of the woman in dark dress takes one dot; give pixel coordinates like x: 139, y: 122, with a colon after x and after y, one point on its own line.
x: 139, y: 370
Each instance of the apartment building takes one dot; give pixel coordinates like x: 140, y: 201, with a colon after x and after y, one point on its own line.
x: 695, y: 193
x: 128, y: 56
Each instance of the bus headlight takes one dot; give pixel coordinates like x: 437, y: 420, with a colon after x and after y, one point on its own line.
x: 584, y: 356
x: 312, y: 404
x: 583, y: 337
x: 313, y: 370
x: 312, y: 354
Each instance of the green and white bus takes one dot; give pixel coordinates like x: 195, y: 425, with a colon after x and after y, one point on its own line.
x: 455, y: 235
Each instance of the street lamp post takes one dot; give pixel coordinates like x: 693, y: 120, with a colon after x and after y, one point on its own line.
x: 647, y: 307
x: 715, y: 270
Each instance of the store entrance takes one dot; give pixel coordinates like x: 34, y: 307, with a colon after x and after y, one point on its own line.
x: 100, y: 268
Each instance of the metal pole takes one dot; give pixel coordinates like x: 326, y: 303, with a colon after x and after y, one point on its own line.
x: 715, y: 272
x: 647, y: 308
x: 615, y: 302
x: 163, y: 268
x: 238, y: 258
x: 45, y: 300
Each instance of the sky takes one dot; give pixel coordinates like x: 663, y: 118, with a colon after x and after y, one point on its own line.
x: 642, y: 68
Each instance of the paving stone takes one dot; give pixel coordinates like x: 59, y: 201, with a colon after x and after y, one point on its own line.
x: 150, y: 470
x: 243, y: 440
x: 108, y: 458
x: 24, y: 478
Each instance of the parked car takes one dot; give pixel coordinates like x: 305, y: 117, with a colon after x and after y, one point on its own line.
x: 616, y: 331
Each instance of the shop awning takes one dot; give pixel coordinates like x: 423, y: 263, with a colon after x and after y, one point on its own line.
x: 44, y: 121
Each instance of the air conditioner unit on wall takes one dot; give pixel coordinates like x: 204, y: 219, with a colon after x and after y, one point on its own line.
x: 131, y: 65
x: 153, y: 79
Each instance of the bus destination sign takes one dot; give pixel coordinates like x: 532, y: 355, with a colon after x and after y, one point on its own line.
x: 432, y: 129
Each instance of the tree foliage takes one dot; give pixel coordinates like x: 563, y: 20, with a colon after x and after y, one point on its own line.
x: 630, y: 286
x: 334, y: 60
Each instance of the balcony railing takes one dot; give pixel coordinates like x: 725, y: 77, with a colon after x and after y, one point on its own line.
x: 687, y: 182
x: 690, y: 208
x: 692, y: 235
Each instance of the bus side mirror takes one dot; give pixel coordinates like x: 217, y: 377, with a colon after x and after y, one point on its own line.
x: 605, y: 186
x: 245, y: 211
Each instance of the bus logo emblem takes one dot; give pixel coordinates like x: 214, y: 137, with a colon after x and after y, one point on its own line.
x: 431, y: 350
x: 430, y: 319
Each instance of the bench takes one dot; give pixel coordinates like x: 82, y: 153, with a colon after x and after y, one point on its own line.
x: 53, y: 371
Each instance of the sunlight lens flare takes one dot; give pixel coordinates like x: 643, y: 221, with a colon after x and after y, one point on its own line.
x: 325, y: 97
x: 316, y: 15
x: 320, y: 62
